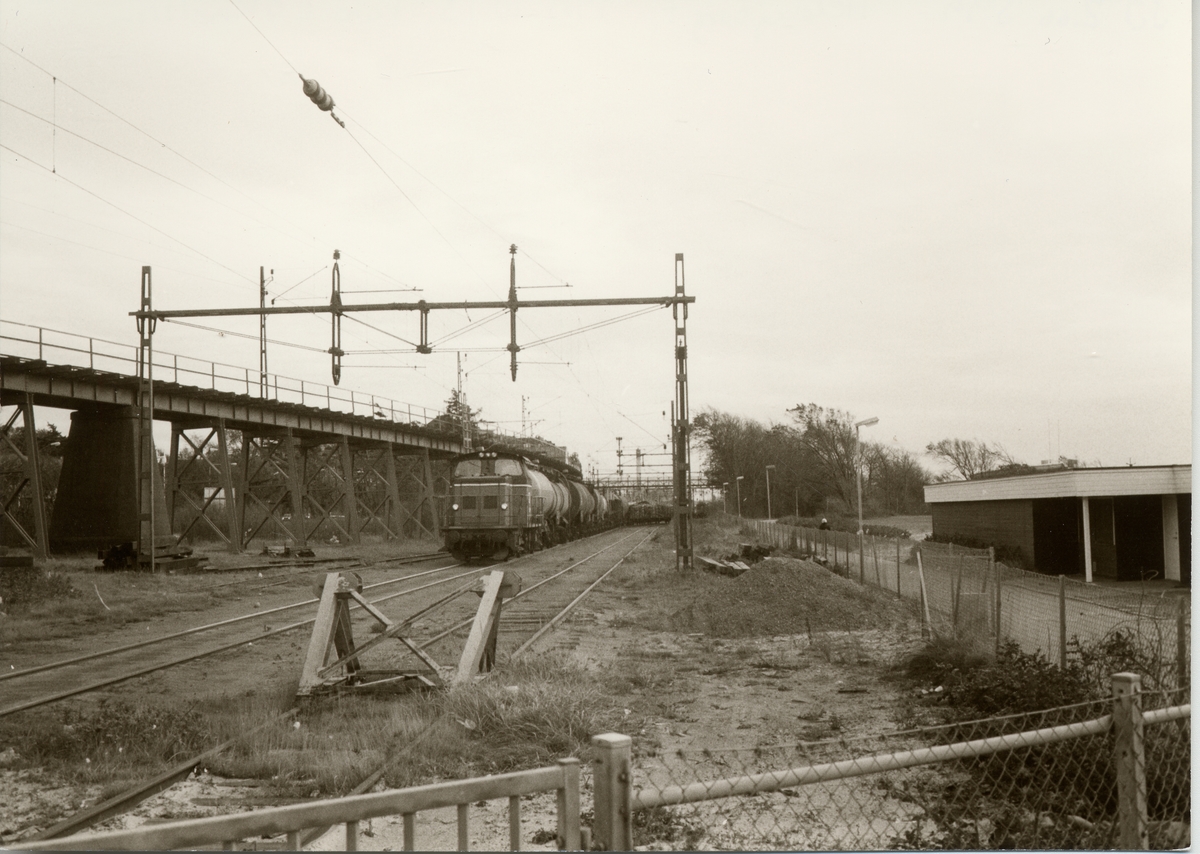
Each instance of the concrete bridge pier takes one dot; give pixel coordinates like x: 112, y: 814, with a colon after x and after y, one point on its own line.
x: 96, y: 506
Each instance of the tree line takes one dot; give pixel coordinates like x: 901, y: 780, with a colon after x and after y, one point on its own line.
x: 813, y: 459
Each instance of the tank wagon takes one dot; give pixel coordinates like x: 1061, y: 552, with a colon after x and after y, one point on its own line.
x: 503, y: 504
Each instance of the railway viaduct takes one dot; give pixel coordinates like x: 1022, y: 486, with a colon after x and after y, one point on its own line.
x: 299, y: 460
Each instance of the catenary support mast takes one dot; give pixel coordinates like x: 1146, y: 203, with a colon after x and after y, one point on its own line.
x: 147, y: 316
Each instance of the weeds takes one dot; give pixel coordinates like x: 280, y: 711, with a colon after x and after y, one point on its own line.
x: 112, y: 741
x: 21, y: 588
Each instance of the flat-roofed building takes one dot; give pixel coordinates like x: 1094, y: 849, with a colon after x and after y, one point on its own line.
x: 1123, y: 523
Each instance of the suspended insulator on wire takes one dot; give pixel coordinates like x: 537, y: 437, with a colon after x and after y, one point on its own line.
x: 320, y: 97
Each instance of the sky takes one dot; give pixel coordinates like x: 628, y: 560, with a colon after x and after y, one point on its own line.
x: 969, y: 220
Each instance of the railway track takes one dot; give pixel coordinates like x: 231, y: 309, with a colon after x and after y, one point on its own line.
x: 525, y: 629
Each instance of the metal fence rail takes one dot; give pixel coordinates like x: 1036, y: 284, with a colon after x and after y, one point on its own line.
x: 226, y: 830
x: 1107, y: 774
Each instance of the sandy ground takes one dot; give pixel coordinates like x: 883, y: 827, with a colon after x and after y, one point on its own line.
x: 741, y: 693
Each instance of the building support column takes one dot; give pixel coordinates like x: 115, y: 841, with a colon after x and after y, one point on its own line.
x: 1170, y: 514
x: 1087, y: 541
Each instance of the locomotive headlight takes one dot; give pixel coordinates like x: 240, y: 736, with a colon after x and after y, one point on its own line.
x: 504, y: 506
x: 453, y: 506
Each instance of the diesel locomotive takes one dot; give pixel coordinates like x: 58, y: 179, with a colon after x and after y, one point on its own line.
x: 503, y: 504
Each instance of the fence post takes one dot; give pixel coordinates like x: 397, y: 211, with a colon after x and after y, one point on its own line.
x: 926, y: 623
x: 1130, y: 758
x: 1062, y: 622
x: 1181, y: 644
x: 568, y: 807
x: 898, y: 593
x: 612, y: 793
x: 996, y: 571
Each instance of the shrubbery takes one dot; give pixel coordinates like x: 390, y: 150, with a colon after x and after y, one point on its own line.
x: 25, y: 586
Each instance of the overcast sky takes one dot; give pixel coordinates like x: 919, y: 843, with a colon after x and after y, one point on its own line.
x: 967, y: 219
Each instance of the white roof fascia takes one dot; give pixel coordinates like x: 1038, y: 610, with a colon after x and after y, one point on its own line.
x: 1075, y: 483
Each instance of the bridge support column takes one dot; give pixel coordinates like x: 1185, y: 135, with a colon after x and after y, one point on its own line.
x: 96, y: 506
x: 295, y: 485
x: 349, y: 500
x: 395, y: 520
x: 232, y: 498
x: 430, y: 496
x: 182, y: 493
x: 30, y: 480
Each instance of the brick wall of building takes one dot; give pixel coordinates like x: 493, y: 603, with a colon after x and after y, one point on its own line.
x: 1008, y: 523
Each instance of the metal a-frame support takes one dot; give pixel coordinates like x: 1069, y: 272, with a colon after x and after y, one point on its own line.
x: 332, y: 632
x: 31, y: 477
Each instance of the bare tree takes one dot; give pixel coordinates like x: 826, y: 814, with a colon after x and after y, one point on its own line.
x: 969, y: 458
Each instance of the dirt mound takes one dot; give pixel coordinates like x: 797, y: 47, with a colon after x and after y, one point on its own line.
x: 783, y: 596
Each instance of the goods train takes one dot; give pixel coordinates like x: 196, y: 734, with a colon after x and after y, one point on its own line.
x: 503, y: 504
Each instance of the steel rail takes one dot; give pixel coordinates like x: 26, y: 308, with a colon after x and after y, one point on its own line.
x: 62, y: 695
x: 130, y: 798
x: 562, y: 615
x: 54, y: 665
x: 523, y: 593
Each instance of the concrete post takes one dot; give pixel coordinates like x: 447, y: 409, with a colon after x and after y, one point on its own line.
x: 1129, y: 757
x: 613, y: 794
x: 1087, y: 541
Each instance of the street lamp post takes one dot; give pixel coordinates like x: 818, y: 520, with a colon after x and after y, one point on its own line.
x: 725, y: 497
x: 866, y: 422
x: 769, y: 491
x: 738, y: 484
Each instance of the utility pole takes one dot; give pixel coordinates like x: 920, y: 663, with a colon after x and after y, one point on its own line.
x: 262, y: 334
x: 464, y: 412
x: 682, y: 449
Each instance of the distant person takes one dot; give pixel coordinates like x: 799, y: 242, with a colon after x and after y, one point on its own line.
x: 824, y: 525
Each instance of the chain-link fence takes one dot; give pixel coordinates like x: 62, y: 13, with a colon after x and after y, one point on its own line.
x: 965, y: 593
x: 1105, y: 774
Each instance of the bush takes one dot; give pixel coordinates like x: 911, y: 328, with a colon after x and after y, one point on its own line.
x: 24, y: 586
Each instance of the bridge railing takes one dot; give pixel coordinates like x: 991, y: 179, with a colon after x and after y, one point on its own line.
x: 100, y: 354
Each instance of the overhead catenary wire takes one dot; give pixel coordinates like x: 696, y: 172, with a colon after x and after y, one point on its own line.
x: 132, y: 216
x: 123, y: 157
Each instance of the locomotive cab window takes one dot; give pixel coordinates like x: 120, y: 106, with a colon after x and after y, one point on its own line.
x: 488, y: 467
x: 468, y: 468
x: 508, y: 467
